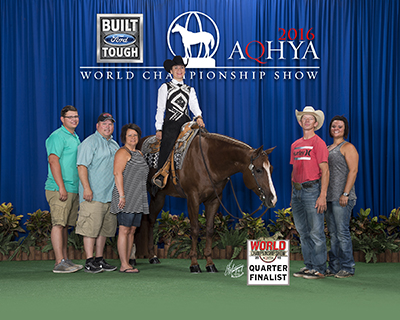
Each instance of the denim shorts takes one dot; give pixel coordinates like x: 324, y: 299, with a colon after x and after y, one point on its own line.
x: 129, y: 219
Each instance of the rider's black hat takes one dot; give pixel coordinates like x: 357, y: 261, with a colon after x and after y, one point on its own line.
x: 176, y: 61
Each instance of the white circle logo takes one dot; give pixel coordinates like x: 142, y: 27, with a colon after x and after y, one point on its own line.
x: 203, y: 41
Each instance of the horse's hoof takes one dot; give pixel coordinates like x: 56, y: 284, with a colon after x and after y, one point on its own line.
x: 211, y: 268
x: 132, y: 262
x: 195, y: 269
x: 154, y: 260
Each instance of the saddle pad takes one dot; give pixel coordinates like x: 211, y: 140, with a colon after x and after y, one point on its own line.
x: 151, y: 148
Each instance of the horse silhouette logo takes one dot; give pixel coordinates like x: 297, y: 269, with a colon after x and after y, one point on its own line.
x: 199, y: 46
x: 190, y: 38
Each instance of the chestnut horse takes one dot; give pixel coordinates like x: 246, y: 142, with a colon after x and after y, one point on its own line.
x: 223, y: 157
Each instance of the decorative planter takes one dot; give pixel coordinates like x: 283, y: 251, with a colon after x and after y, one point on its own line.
x: 296, y: 256
x: 229, y: 252
x: 215, y: 253
x: 159, y: 252
x: 108, y: 251
x: 11, y: 253
x: 162, y: 253
x: 243, y: 253
x: 24, y: 256
x: 166, y: 248
x: 387, y: 256
x: 396, y: 257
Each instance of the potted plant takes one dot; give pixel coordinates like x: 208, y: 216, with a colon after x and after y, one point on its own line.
x: 284, y: 224
x: 254, y: 227
x: 370, y: 236
x: 39, y: 225
x: 233, y: 241
x: 111, y: 248
x: 392, y: 223
x: 9, y: 231
x: 174, y: 232
x: 38, y: 240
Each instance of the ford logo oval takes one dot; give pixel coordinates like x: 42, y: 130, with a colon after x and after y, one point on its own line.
x: 119, y: 39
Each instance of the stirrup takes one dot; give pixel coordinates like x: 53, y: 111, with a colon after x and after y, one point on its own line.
x: 159, y: 180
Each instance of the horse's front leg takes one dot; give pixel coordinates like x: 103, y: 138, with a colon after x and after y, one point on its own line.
x: 193, y: 210
x: 211, y: 210
x: 188, y: 51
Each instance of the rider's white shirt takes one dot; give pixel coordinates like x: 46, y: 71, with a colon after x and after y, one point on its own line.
x: 162, y: 103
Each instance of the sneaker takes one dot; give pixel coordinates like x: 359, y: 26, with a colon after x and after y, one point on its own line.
x: 64, y: 267
x: 343, y: 274
x: 303, y: 271
x: 329, y: 273
x: 92, y: 267
x: 69, y: 262
x: 314, y: 274
x: 105, y: 266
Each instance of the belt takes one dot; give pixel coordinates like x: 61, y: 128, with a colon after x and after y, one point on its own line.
x: 305, y: 185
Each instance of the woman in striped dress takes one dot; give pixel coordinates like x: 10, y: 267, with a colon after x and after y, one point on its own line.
x: 129, y: 200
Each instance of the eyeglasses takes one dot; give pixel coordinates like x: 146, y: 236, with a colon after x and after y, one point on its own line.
x: 72, y: 117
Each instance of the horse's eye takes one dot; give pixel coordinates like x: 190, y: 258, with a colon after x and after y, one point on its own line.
x: 259, y: 170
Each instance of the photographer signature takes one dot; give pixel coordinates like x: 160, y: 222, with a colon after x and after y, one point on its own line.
x: 233, y: 270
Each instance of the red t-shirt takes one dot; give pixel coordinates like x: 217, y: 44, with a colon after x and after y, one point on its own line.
x: 305, y: 156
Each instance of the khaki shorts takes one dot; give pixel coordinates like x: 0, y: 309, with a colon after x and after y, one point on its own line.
x: 95, y: 219
x: 63, y: 213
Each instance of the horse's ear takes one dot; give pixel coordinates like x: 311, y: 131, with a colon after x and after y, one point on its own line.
x: 257, y: 152
x: 268, y: 151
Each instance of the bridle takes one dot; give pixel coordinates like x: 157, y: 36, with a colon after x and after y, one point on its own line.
x: 251, y: 168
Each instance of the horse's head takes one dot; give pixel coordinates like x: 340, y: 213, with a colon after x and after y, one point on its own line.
x: 176, y: 28
x: 258, y: 176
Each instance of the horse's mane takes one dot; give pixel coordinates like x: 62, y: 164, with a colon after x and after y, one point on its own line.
x: 221, y: 137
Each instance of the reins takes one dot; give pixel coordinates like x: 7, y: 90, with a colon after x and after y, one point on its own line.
x: 234, y: 194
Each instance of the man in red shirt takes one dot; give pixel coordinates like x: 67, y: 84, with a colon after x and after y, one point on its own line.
x: 310, y: 178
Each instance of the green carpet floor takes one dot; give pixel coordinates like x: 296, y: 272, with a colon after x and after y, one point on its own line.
x: 30, y: 289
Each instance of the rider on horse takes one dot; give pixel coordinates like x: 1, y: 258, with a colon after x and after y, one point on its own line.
x: 174, y: 97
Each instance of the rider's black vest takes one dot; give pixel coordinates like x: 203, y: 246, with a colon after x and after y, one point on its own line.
x: 177, y: 102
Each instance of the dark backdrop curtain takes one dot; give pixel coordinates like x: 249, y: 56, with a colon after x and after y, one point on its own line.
x: 44, y: 44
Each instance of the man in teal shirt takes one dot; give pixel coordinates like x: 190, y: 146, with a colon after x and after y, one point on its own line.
x: 62, y: 186
x: 95, y: 163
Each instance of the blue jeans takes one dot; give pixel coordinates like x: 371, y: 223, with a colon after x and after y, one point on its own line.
x: 338, y: 221
x: 310, y: 225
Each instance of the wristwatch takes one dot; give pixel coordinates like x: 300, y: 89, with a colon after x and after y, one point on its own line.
x: 345, y: 194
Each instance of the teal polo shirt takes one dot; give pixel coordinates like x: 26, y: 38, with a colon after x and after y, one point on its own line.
x: 96, y: 153
x: 64, y: 145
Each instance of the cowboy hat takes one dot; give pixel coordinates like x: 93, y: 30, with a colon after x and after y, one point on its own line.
x: 176, y: 61
x: 318, y: 114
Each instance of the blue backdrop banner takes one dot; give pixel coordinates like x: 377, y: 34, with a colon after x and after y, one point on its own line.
x: 252, y: 62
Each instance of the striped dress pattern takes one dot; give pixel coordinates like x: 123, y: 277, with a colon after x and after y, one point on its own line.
x: 135, y: 178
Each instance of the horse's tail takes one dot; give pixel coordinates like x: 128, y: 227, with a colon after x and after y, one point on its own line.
x: 212, y: 42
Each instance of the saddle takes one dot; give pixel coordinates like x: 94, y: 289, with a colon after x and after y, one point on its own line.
x: 188, y: 132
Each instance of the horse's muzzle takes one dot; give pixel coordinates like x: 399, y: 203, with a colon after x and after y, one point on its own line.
x: 269, y: 203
